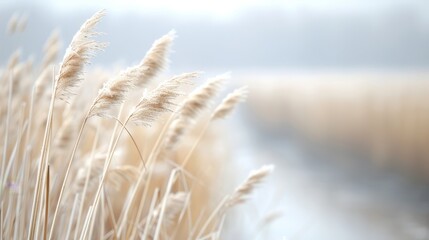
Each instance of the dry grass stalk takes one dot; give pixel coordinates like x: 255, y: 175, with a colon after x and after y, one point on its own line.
x: 76, y: 56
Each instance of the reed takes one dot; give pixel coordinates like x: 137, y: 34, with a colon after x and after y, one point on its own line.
x: 108, y: 165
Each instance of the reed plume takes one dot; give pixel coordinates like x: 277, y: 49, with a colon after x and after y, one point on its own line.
x: 229, y: 102
x: 159, y: 100
x: 12, y: 25
x: 156, y: 58
x: 195, y: 103
x: 112, y: 94
x: 115, y: 91
x: 66, y: 176
x: 80, y: 50
x: 241, y: 192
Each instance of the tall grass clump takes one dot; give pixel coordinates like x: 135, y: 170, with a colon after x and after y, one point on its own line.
x: 129, y: 161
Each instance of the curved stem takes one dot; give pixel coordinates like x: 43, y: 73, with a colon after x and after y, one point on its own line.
x: 134, y: 141
x: 45, y: 227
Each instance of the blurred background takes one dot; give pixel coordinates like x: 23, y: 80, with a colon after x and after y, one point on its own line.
x: 338, y: 101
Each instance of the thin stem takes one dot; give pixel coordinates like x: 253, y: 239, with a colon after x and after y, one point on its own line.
x: 211, y: 217
x: 112, y: 214
x: 164, y: 204
x: 67, y: 175
x: 188, y: 156
x: 1, y: 220
x: 46, y: 159
x: 134, y: 141
x: 27, y: 152
x: 85, y: 188
x: 130, y: 200
x: 71, y: 216
x: 45, y: 232
x: 149, y: 215
x: 6, y: 137
x: 156, y: 147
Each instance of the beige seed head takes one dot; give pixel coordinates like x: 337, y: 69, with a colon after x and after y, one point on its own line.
x: 195, y: 103
x: 113, y: 93
x: 160, y: 100
x: 12, y: 25
x: 229, y: 102
x: 77, y: 55
x: 200, y: 98
x: 255, y: 177
x: 156, y: 58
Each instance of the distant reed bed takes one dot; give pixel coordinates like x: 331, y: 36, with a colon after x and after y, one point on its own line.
x: 382, y: 115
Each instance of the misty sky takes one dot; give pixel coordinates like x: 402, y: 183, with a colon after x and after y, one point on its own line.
x: 221, y: 8
x: 228, y: 35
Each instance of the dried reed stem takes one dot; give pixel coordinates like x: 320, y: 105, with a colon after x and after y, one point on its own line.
x: 77, y: 54
x: 45, y: 227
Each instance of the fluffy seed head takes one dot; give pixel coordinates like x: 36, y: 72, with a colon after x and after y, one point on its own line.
x: 13, y: 23
x: 229, y: 102
x: 77, y: 55
x: 255, y: 177
x: 156, y: 58
x: 195, y: 103
x: 200, y: 98
x: 113, y: 93
x: 159, y: 100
